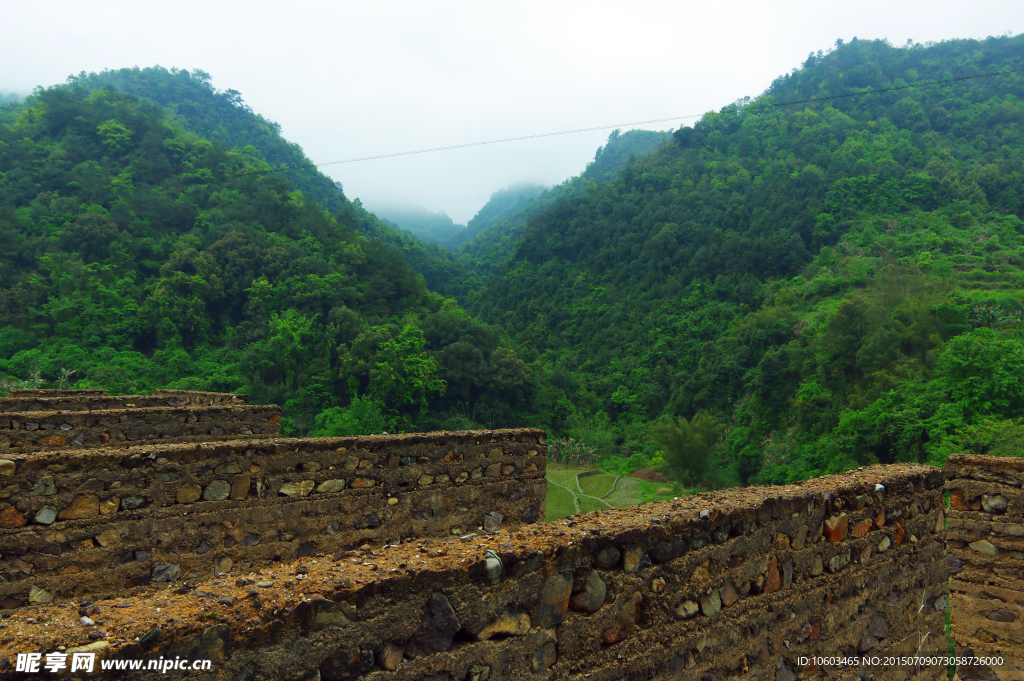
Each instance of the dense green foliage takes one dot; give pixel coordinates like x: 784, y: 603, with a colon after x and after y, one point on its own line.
x: 778, y: 292
x: 502, y: 204
x: 139, y: 254
x: 191, y: 102
x: 838, y: 282
x: 490, y: 243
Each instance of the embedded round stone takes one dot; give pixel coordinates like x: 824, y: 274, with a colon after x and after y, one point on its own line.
x: 774, y: 580
x: 46, y: 515
x: 297, y: 489
x: 87, y: 506
x: 492, y: 521
x: 592, y: 597
x: 437, y: 628
x: 189, y: 493
x: 509, y: 623
x: 6, y: 467
x: 607, y: 558
x: 328, y: 486
x: 240, y: 486
x: 993, y: 504
x: 836, y: 528
x: 711, y: 604
x: 10, y: 518
x: 44, y: 487
x: 686, y: 610
x: 38, y: 596
x: 218, y: 490
x: 984, y: 547
x: 553, y: 603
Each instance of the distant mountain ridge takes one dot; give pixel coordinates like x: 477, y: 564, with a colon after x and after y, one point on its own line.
x: 488, y: 246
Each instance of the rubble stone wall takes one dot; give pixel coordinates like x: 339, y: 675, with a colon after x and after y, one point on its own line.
x: 985, y: 538
x: 33, y: 431
x: 742, y: 584
x: 101, y: 522
x: 93, y: 400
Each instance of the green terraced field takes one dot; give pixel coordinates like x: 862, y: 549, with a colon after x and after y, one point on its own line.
x: 597, y: 485
x: 565, y: 477
x: 588, y: 504
x: 569, y: 494
x: 560, y: 503
x: 627, y: 493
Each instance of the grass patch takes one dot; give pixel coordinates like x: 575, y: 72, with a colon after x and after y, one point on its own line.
x: 565, y: 477
x: 560, y: 503
x: 597, y: 485
x: 628, y: 492
x: 588, y: 504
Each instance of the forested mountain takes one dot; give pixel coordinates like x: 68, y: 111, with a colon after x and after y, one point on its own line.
x: 502, y: 204
x: 136, y: 253
x: 435, y: 228
x: 491, y: 241
x: 823, y: 285
x: 9, y: 98
x: 785, y: 289
x: 190, y: 101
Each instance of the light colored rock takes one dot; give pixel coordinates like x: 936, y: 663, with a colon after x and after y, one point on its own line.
x: 711, y: 604
x: 218, y: 490
x: 297, y: 489
x: 884, y: 545
x: 462, y: 477
x: 686, y: 610
x: 328, y: 486
x: 37, y: 596
x: 510, y: 622
x: 46, y: 515
x: 984, y: 547
x: 6, y: 467
x: 425, y: 480
x: 993, y: 504
x: 392, y: 501
x: 110, y: 506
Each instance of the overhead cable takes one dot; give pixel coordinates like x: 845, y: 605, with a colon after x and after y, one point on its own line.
x: 742, y: 109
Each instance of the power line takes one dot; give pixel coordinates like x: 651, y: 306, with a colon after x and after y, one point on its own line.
x: 753, y: 109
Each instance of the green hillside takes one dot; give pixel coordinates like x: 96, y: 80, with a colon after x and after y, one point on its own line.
x: 136, y: 254
x: 492, y: 237
x: 798, y: 289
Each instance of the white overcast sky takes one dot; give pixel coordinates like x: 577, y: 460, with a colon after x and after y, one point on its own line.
x: 351, y: 79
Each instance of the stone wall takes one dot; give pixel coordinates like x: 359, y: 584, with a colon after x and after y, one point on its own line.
x: 985, y: 537
x: 93, y: 400
x: 742, y: 584
x: 100, y: 522
x: 33, y: 431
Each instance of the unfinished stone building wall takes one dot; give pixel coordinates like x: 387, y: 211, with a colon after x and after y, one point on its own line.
x: 35, y: 431
x: 100, y: 522
x: 94, y: 400
x: 742, y: 584
x: 985, y: 537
